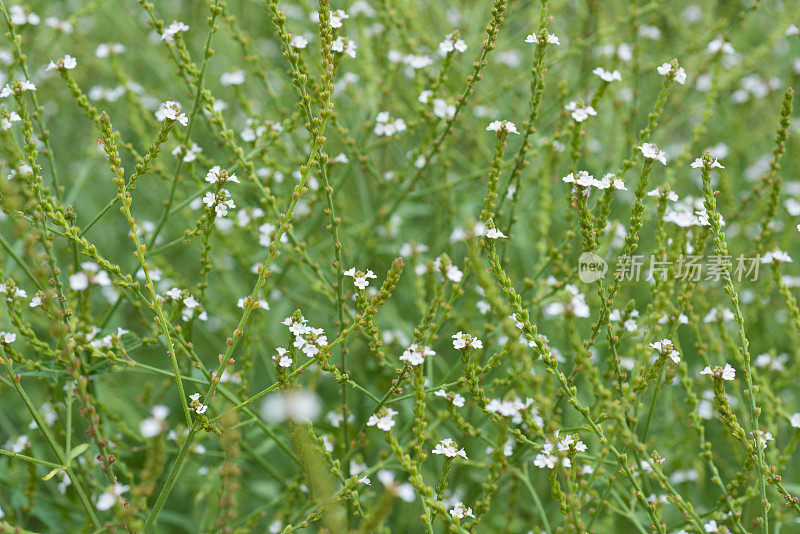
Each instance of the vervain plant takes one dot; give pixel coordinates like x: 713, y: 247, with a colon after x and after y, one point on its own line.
x: 476, y: 266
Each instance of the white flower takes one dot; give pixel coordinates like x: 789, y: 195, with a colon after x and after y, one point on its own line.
x: 462, y: 340
x: 679, y: 74
x: 580, y: 112
x: 67, y: 62
x: 508, y: 126
x: 221, y: 202
x: 764, y: 437
x: 106, y: 49
x: 666, y: 348
x: 298, y: 41
x: 260, y: 303
x: 215, y: 174
x: 698, y: 164
x: 720, y: 44
x: 584, y: 179
x: 232, y: 78
x: 711, y: 526
x: 453, y: 273
x: 7, y: 337
x: 490, y: 233
x: 651, y: 151
x: 447, y: 447
x: 794, y: 420
x: 301, y: 406
x: 360, y: 278
x: 172, y: 30
x: 107, y: 499
x: 21, y: 85
x: 344, y: 45
x: 191, y: 153
x: 607, y: 76
x: 172, y: 111
x: 459, y: 511
x: 449, y: 45
x: 154, y: 425
x: 385, y: 421
x: 415, y: 354
x: 727, y: 373
x: 776, y: 256
x: 549, y: 39
x: 336, y: 18
x: 442, y: 109
x: 386, y: 127
x: 6, y: 122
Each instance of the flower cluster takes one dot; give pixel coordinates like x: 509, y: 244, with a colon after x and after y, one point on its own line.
x: 677, y: 74
x: 220, y: 201
x: 196, y: 406
x: 502, y: 126
x: 383, y: 420
x: 415, y: 354
x: 448, y: 448
x: 725, y: 373
x: 308, y: 339
x: 462, y: 340
x: 360, y: 278
x: 387, y: 127
x: 666, y: 349
x: 171, y: 110
x: 560, y: 450
x: 584, y: 179
x: 580, y: 112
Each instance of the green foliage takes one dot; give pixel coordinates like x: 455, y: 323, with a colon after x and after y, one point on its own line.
x: 399, y: 266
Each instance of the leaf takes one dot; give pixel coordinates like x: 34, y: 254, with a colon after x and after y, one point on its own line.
x: 52, y: 473
x: 77, y: 451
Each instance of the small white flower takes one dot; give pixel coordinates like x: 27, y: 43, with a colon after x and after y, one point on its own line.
x: 360, y: 278
x: 607, y: 76
x: 415, y: 354
x: 459, y: 511
x: 19, y: 85
x: 385, y: 421
x: 450, y: 45
x: 776, y: 256
x: 344, y: 45
x: 336, y: 18
x: 507, y: 126
x: 698, y: 164
x: 462, y: 340
x: 726, y: 373
x: 106, y: 49
x: 491, y: 233
x: 232, y: 78
x: 666, y: 348
x: 67, y: 63
x: 651, y: 151
x: 108, y: 499
x: 7, y: 122
x: 794, y: 420
x: 549, y: 39
x: 171, y: 110
x: 448, y: 448
x: 679, y: 75
x: 174, y: 28
x: 7, y: 337
x: 580, y: 112
x: 155, y: 424
x: 298, y: 41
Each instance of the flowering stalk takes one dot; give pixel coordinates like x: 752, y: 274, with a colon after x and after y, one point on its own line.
x: 721, y: 248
